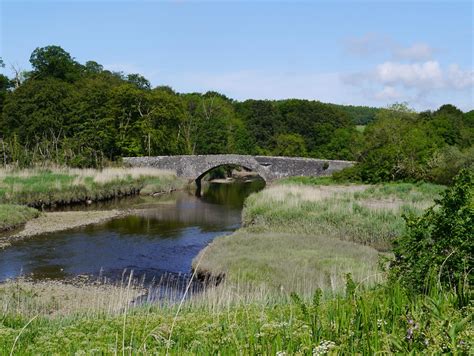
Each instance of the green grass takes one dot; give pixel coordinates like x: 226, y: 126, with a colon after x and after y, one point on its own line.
x: 296, y: 239
x: 408, y: 192
x: 308, y: 180
x: 15, y: 215
x: 289, y: 262
x: 383, y: 320
x: 369, y: 215
x: 299, y: 237
x: 46, y: 187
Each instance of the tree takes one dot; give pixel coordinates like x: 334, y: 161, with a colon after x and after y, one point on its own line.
x: 396, y: 147
x: 208, y: 126
x: 53, y: 61
x: 37, y: 110
x: 291, y: 145
x: 261, y: 119
x: 92, y: 67
x: 139, y: 81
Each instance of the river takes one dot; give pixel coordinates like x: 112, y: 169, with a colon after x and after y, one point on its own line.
x: 160, y: 239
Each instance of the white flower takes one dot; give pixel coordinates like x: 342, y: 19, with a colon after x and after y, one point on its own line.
x: 323, y: 348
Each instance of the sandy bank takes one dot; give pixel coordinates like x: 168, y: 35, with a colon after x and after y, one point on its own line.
x: 60, y: 221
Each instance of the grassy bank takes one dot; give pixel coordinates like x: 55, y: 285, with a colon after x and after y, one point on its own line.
x: 384, y: 319
x: 369, y: 215
x: 12, y: 216
x: 300, y: 235
x: 62, y: 186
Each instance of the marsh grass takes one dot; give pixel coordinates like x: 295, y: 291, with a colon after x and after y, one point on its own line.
x: 299, y: 237
x: 62, y: 186
x: 383, y: 319
x: 12, y: 216
x: 370, y: 215
x: 287, y: 263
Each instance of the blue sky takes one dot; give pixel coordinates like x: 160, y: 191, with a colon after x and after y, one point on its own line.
x: 349, y: 52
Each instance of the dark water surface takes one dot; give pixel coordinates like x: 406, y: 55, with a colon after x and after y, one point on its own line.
x: 162, y: 238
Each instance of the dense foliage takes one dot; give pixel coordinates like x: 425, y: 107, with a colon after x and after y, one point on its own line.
x: 83, y: 115
x: 404, y: 145
x: 440, y: 242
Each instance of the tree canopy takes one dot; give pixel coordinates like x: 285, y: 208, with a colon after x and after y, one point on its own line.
x: 66, y: 112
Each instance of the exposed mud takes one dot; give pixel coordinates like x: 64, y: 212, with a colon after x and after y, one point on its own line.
x: 59, y: 221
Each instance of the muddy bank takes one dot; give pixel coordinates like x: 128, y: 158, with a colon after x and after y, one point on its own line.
x: 59, y: 221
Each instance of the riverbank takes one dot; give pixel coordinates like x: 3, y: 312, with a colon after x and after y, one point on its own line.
x: 15, y: 216
x: 59, y: 221
x: 79, y: 295
x: 242, y: 317
x: 41, y: 188
x: 299, y: 236
x: 65, y: 186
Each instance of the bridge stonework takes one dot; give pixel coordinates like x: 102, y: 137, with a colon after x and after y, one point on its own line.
x: 269, y: 168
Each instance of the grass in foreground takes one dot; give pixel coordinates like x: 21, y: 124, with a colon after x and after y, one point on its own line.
x: 12, y: 216
x: 45, y: 187
x: 384, y: 320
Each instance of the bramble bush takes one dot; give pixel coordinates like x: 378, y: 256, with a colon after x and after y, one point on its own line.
x: 440, y: 243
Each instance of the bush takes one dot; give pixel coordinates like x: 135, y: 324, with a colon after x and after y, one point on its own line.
x: 441, y: 241
x: 447, y: 162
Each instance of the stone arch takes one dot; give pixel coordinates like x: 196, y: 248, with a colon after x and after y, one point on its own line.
x: 249, y: 164
x: 257, y: 170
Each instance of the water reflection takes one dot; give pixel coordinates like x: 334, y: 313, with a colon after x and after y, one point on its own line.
x: 162, y: 237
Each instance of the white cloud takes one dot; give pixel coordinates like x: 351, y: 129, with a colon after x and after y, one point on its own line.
x: 388, y: 93
x: 424, y: 84
x: 425, y: 75
x: 458, y: 78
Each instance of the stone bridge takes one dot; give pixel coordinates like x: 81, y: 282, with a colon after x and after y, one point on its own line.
x: 269, y: 168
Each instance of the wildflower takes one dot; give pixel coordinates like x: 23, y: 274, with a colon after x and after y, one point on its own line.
x: 381, y: 323
x: 323, y: 348
x: 281, y: 353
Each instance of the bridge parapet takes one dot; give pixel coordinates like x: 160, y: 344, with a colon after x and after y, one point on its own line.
x: 269, y: 168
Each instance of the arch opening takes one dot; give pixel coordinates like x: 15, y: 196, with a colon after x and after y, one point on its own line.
x: 228, y: 174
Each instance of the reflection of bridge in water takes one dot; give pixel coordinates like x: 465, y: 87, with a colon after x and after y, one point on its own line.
x: 189, y: 211
x: 269, y: 168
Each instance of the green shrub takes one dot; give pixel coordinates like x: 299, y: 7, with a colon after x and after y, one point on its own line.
x: 447, y: 162
x: 441, y: 241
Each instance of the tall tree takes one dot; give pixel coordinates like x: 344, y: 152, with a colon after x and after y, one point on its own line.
x: 53, y: 61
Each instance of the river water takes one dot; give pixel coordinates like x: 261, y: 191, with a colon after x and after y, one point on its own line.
x: 161, y: 238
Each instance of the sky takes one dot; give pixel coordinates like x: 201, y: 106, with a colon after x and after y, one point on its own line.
x: 371, y: 53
